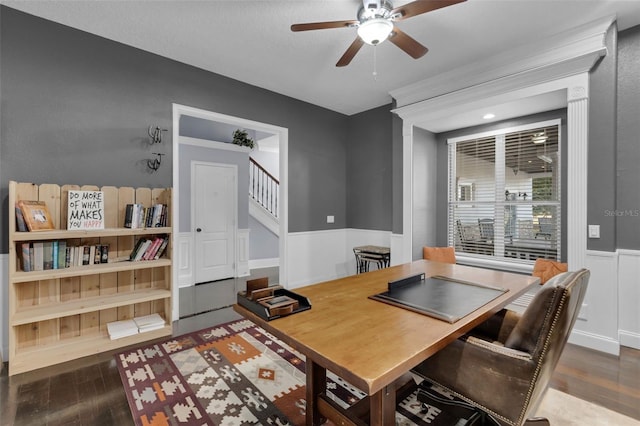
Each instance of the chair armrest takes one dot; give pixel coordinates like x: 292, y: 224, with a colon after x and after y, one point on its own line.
x: 498, y: 327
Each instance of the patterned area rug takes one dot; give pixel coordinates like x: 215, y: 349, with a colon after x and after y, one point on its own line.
x: 239, y: 374
x: 233, y: 374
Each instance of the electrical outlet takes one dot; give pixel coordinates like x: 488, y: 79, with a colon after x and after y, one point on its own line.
x: 594, y: 231
x: 330, y: 219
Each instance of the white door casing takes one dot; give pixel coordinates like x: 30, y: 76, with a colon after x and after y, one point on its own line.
x: 214, y: 211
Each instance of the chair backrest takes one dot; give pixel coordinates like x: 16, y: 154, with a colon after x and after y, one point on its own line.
x: 439, y: 254
x: 544, y: 327
x: 486, y: 228
x: 545, y: 269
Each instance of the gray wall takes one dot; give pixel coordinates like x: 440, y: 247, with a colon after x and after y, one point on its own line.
x: 628, y: 147
x: 601, y: 172
x: 369, y: 171
x: 76, y: 108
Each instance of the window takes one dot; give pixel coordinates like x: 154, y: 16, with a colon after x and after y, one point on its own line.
x: 504, y: 193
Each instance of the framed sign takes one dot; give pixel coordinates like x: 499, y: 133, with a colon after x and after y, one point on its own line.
x: 85, y: 210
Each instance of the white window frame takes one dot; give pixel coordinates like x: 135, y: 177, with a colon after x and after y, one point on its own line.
x: 499, y: 262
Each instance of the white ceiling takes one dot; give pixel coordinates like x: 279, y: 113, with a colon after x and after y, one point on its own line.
x: 251, y: 41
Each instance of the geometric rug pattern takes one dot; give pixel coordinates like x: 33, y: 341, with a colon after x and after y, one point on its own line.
x: 235, y: 374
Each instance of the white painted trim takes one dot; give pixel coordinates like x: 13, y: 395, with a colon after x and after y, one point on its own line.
x: 183, y: 263
x: 261, y: 214
x: 263, y: 263
x: 628, y: 298
x: 595, y: 341
x: 283, y: 139
x: 397, y: 244
x: 204, y: 143
x: 242, y: 253
x: 569, y: 53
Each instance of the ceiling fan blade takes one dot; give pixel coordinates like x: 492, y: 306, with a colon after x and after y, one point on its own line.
x: 350, y: 53
x: 419, y: 7
x: 323, y: 25
x: 408, y: 44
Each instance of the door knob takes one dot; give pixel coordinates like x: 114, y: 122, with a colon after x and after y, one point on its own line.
x: 198, y: 230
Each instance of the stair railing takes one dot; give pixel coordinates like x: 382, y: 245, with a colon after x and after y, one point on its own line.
x: 263, y: 187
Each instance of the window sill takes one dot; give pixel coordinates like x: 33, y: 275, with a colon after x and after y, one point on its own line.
x: 484, y: 262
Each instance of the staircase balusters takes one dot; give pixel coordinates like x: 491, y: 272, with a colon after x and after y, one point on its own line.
x: 263, y: 187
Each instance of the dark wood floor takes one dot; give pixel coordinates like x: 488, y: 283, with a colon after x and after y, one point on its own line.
x: 89, y: 392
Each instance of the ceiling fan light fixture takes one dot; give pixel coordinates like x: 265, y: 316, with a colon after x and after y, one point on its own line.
x: 375, y: 31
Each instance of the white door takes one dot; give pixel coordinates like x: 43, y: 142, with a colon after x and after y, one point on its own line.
x: 214, y: 201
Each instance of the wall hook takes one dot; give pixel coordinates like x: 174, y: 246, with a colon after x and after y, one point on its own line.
x: 156, y: 134
x: 155, y: 163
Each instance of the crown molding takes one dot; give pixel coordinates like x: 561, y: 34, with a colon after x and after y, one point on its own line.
x: 566, y: 54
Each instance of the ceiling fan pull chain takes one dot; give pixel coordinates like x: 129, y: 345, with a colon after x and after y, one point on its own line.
x: 375, y: 56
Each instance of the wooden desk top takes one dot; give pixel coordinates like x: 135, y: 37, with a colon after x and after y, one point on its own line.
x: 373, y: 249
x: 371, y: 344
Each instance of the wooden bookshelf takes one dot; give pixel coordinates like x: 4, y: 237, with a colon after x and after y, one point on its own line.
x: 57, y: 315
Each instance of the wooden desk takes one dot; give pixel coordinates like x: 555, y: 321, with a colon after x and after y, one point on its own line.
x: 372, y: 344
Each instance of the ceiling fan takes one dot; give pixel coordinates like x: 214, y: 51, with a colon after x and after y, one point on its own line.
x: 376, y: 22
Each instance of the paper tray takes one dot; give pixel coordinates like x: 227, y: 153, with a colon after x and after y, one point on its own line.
x: 263, y: 312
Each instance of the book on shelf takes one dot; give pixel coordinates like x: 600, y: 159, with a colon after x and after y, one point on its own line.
x: 47, y: 255
x: 27, y: 253
x: 149, y: 322
x: 21, y: 225
x: 38, y: 256
x: 62, y: 254
x: 36, y: 215
x: 122, y: 328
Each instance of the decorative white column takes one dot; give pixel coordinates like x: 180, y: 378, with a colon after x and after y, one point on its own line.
x: 577, y: 161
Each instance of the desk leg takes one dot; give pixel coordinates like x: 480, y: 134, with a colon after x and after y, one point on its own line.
x: 316, y: 385
x: 382, y: 407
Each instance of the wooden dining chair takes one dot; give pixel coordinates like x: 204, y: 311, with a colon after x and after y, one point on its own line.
x: 545, y: 269
x: 439, y: 254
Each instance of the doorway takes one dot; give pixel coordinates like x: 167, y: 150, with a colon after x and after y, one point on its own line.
x: 182, y: 252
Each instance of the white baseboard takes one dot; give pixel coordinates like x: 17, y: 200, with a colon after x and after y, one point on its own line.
x: 628, y: 339
x: 264, y: 263
x: 594, y: 341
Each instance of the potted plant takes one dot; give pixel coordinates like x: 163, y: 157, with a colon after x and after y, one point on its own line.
x: 240, y: 137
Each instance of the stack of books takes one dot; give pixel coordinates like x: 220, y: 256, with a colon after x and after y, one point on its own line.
x: 130, y: 327
x: 139, y: 216
x: 149, y: 322
x: 120, y: 329
x: 149, y: 248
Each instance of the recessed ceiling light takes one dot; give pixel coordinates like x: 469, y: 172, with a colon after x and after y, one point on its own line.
x: 488, y: 116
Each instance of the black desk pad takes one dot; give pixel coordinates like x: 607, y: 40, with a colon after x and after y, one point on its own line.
x: 440, y: 297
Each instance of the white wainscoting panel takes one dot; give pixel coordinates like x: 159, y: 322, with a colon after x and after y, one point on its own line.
x: 264, y: 263
x: 316, y: 256
x: 397, y: 244
x: 325, y: 255
x: 184, y: 261
x: 242, y: 257
x: 629, y: 297
x: 597, y: 326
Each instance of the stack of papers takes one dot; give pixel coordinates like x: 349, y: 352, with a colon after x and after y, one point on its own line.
x: 149, y: 322
x: 124, y: 328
